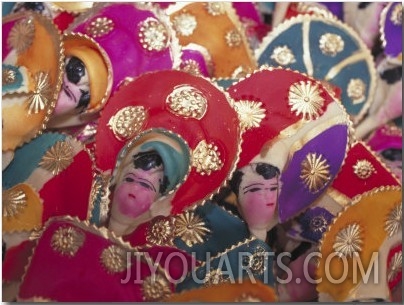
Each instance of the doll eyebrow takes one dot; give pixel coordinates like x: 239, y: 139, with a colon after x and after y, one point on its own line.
x: 248, y: 186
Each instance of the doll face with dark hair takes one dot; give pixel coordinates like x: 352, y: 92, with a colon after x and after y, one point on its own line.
x: 142, y: 183
x: 258, y: 194
x: 74, y: 96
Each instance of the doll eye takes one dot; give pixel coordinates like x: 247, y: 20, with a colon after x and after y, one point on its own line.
x: 145, y: 185
x: 252, y: 190
x: 274, y: 188
x: 129, y: 179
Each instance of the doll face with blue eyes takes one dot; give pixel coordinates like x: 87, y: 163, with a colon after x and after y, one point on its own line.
x: 74, y: 95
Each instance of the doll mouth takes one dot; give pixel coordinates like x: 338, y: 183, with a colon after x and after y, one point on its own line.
x: 270, y: 204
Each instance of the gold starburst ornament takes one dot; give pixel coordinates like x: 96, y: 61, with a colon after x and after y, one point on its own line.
x: 214, y: 277
x: 348, y: 241
x: 191, y: 66
x: 57, y: 158
x: 215, y: 8
x: 41, y: 96
x: 315, y: 172
x: 14, y: 201
x: 305, y: 99
x: 233, y: 38
x: 394, y: 220
x: 250, y: 113
x: 21, y: 35
x: 67, y: 241
x: 160, y: 232
x: 114, y: 259
x: 190, y: 228
x: 155, y: 288
x: 363, y: 169
x: 99, y: 27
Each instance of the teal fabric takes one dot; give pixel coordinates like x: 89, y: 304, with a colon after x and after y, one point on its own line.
x: 7, y: 88
x: 226, y: 83
x: 225, y: 230
x: 7, y: 7
x: 253, y: 259
x: 175, y: 164
x: 322, y: 64
x: 27, y: 158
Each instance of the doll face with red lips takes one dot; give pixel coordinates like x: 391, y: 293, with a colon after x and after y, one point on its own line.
x: 257, y: 188
x: 138, y: 190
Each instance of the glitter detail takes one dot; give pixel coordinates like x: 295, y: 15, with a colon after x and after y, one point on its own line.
x: 14, y: 201
x: 21, y: 35
x: 155, y: 288
x: 187, y: 101
x: 127, y: 122
x: 394, y: 219
x: 206, y: 158
x: 99, y: 27
x: 233, y: 38
x: 160, y: 232
x: 215, y: 8
x: 153, y: 35
x: 113, y: 259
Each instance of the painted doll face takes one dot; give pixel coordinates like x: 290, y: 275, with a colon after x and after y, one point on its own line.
x: 258, y: 195
x: 139, y: 187
x: 75, y: 92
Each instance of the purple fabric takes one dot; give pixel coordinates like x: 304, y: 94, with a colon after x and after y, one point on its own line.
x: 295, y: 195
x: 314, y: 223
x: 393, y: 35
x: 335, y: 7
x: 188, y: 54
x: 128, y: 57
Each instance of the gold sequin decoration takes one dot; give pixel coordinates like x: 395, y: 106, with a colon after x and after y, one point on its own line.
x: 185, y: 24
x: 99, y: 27
x: 41, y: 96
x: 331, y: 44
x: 395, y: 265
x: 67, y: 241
x: 99, y: 194
x: 305, y: 100
x: 114, y: 259
x: 394, y: 220
x: 214, y: 277
x: 348, y: 241
x: 240, y: 72
x: 14, y: 201
x: 256, y: 262
x: 21, y: 35
x: 215, y: 8
x: 363, y: 169
x: 233, y: 38
x: 160, y: 232
x: 153, y: 35
x: 127, y: 122
x: 315, y: 172
x: 191, y: 66
x: 57, y: 158
x: 250, y: 113
x: 206, y: 158
x: 397, y: 14
x: 187, y: 101
x: 155, y: 288
x: 8, y: 76
x: 283, y: 56
x: 190, y: 228
x: 356, y: 91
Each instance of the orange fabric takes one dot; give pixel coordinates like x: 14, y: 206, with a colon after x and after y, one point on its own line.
x: 370, y: 213
x: 30, y: 216
x: 210, y: 33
